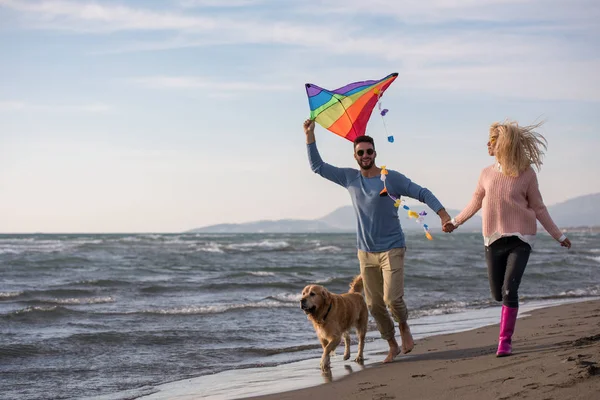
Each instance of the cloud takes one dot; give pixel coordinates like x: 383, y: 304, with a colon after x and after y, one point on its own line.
x: 536, y: 48
x: 556, y: 80
x: 219, y: 3
x: 94, y: 17
x: 507, y: 12
x: 93, y: 108
x: 212, y: 87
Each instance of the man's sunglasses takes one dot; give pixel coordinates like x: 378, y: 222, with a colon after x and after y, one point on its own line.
x: 360, y: 153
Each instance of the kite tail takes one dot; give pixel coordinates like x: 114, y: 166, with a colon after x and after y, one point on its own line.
x: 420, y: 217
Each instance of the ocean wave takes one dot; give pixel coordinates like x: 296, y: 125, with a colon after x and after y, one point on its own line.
x: 453, y: 307
x: 264, y: 245
x: 587, y: 292
x: 236, y: 275
x: 217, y: 309
x: 83, y: 242
x: 286, y: 297
x: 19, y: 350
x: 43, y: 295
x: 260, y: 273
x: 246, y: 286
x: 39, y: 312
x: 130, y: 239
x: 450, y: 307
x: 210, y: 247
x: 441, y: 309
x: 152, y: 236
x: 9, y: 251
x: 154, y: 289
x: 344, y: 280
x: 328, y: 249
x: 258, y: 351
x: 9, y: 295
x: 37, y: 246
x: 74, y: 300
x: 17, y: 240
x: 32, y: 245
x: 103, y: 282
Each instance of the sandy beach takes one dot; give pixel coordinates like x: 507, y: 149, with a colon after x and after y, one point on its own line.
x: 556, y: 356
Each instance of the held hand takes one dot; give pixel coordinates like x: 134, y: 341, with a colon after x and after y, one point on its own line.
x: 448, y: 227
x: 566, y: 243
x: 444, y: 216
x: 309, y: 127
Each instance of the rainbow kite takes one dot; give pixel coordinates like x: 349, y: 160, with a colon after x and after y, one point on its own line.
x: 346, y: 111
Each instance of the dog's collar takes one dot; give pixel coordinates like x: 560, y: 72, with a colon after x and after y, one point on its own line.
x: 327, y: 313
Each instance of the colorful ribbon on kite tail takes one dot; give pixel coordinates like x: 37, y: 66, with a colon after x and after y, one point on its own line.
x: 420, y: 217
x: 378, y: 92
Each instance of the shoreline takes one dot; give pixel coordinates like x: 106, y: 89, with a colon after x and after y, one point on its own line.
x: 556, y: 355
x: 433, y: 336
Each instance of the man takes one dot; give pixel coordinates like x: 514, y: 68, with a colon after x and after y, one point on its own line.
x: 380, y: 240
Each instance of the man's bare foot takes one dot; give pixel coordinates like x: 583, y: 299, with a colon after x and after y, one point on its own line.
x: 407, y: 340
x: 394, y: 351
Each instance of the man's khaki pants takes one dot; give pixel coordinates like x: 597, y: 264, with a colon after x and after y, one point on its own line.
x: 383, y: 277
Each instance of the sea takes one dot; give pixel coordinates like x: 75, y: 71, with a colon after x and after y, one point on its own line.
x: 112, y: 316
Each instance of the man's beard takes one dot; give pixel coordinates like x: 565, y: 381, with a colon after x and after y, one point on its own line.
x: 366, y: 166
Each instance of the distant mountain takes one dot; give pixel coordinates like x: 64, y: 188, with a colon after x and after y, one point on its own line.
x: 266, y: 226
x: 343, y: 218
x: 577, y: 212
x: 580, y: 211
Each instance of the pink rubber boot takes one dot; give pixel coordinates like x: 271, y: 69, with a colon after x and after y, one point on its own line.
x: 507, y: 328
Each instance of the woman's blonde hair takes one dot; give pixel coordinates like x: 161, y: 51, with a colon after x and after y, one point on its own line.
x: 517, y: 147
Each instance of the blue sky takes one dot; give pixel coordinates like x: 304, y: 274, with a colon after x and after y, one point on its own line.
x: 162, y: 116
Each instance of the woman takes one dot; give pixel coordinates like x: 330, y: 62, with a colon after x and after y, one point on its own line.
x: 508, y: 193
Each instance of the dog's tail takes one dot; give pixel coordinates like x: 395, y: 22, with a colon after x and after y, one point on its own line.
x: 357, y: 285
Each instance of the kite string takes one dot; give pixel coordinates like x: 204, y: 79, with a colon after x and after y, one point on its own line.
x: 382, y: 113
x: 420, y: 217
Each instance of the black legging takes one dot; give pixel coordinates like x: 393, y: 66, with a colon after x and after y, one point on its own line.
x: 506, y: 261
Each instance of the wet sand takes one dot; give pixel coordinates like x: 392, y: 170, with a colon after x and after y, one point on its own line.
x: 556, y: 355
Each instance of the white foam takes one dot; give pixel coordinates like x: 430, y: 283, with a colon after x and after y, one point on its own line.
x: 261, y: 273
x: 331, y: 249
x: 36, y: 308
x: 151, y: 236
x: 442, y: 309
x: 130, y: 239
x: 8, y: 251
x: 219, y: 308
x: 210, y: 247
x: 288, y: 297
x: 264, y: 245
x: 7, y: 295
x: 83, y: 300
x: 593, y: 291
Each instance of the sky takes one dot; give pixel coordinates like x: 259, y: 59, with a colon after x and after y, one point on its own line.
x: 164, y: 116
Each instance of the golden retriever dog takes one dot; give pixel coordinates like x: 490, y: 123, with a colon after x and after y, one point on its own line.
x: 333, y: 315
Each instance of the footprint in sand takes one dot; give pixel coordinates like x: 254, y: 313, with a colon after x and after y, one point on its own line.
x: 363, y: 386
x: 585, y: 341
x: 383, y: 396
